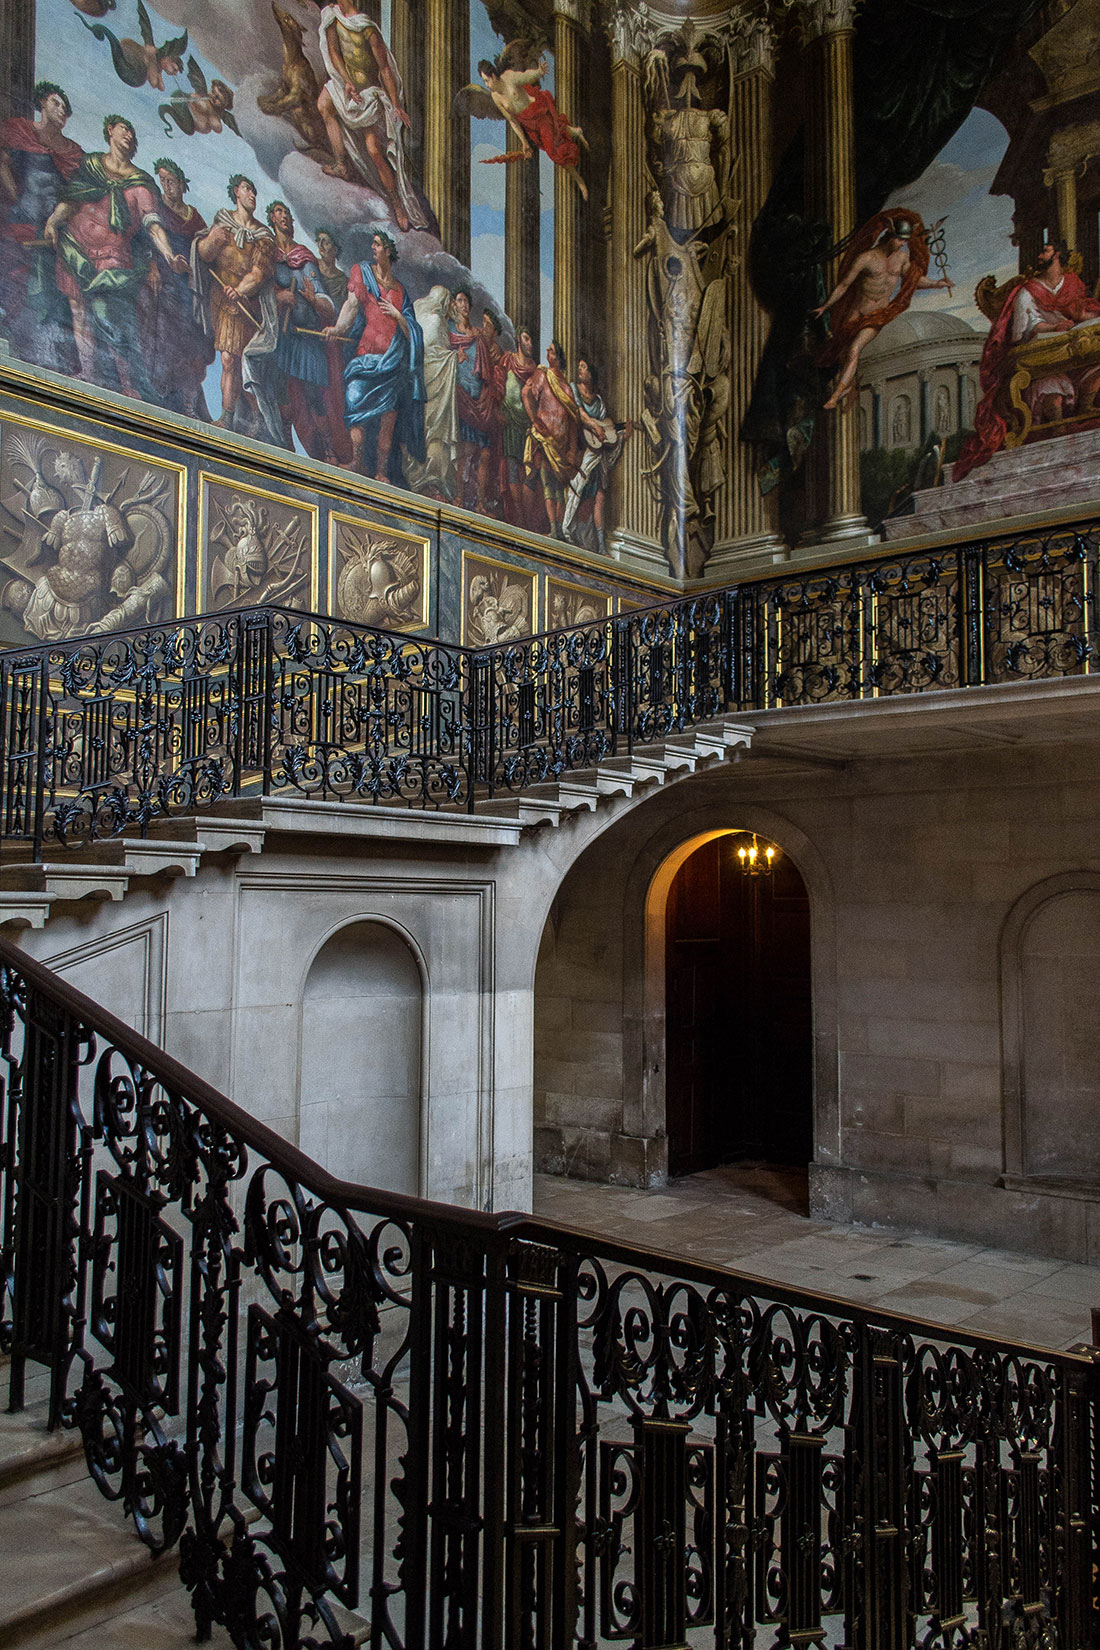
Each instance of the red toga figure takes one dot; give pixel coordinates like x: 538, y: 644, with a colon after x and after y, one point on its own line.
x: 1052, y: 300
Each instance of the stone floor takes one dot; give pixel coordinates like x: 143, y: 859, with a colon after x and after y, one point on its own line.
x: 755, y: 1221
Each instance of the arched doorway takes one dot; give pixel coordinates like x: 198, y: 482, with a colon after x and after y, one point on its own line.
x: 738, y: 1012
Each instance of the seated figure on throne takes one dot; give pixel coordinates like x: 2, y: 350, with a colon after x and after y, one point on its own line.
x: 1040, y: 367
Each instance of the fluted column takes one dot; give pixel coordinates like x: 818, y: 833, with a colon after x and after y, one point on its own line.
x: 522, y: 297
x: 570, y: 242
x: 407, y: 46
x: 446, y: 28
x: 17, y: 36
x: 635, y: 509
x: 831, y: 194
x: 745, y: 519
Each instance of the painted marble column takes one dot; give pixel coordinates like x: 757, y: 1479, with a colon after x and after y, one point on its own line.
x: 522, y: 296
x: 925, y: 378
x: 745, y: 518
x: 446, y: 34
x: 634, y: 511
x: 835, y: 513
x: 878, y: 422
x: 570, y: 244
x: 960, y: 396
x: 407, y: 46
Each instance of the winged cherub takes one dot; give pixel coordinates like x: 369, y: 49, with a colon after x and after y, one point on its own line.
x: 141, y: 62
x: 512, y: 90
x: 203, y: 109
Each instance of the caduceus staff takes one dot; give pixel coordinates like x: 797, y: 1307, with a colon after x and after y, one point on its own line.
x: 937, y: 245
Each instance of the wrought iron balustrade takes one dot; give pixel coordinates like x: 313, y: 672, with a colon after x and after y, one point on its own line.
x: 492, y: 1432
x: 106, y: 735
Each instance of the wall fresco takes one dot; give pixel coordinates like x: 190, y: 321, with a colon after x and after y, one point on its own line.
x: 701, y: 290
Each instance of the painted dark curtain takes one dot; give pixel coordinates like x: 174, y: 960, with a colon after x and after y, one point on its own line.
x: 918, y: 69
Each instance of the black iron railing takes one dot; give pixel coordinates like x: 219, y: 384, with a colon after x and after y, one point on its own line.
x: 104, y: 736
x: 491, y: 1432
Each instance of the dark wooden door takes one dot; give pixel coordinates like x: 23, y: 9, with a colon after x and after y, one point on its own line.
x: 739, y: 1040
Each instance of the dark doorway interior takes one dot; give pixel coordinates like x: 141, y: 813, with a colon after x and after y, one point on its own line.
x: 739, y: 1038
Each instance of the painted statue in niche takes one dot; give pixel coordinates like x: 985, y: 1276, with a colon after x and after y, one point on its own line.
x: 689, y: 260
x: 512, y: 91
x: 381, y: 576
x: 258, y: 548
x: 88, y: 539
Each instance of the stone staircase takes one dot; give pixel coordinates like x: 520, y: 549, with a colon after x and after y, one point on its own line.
x: 72, y: 1570
x: 1055, y: 474
x: 30, y: 891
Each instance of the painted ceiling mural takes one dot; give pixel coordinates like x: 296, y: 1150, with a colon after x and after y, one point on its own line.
x: 695, y: 290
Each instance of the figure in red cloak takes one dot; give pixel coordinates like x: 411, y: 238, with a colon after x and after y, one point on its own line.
x: 885, y: 264
x: 512, y: 91
x: 1053, y: 299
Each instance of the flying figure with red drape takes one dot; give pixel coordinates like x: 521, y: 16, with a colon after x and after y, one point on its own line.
x: 885, y: 263
x: 512, y: 90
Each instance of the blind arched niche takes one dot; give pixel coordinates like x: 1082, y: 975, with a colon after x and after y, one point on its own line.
x: 1050, y: 960
x: 361, y: 1058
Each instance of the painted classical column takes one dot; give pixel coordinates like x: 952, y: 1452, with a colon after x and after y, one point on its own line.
x: 960, y: 397
x: 570, y: 241
x: 925, y: 378
x: 407, y: 46
x: 745, y: 524
x: 878, y: 423
x: 446, y: 33
x: 835, y: 513
x: 1065, y: 197
x: 522, y: 296
x: 17, y: 31
x: 634, y: 511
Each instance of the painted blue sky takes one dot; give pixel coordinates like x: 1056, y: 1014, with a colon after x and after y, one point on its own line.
x: 979, y: 225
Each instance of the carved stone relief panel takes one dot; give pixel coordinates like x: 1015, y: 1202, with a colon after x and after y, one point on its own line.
x: 498, y: 601
x: 380, y: 576
x: 91, y: 536
x: 254, y: 546
x: 568, y: 605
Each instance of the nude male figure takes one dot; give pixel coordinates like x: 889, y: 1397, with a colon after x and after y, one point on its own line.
x: 879, y: 283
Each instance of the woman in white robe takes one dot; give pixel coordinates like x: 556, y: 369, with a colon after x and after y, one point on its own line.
x: 438, y: 475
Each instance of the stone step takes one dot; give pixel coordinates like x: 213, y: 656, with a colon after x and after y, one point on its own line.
x: 68, y: 1559
x: 942, y: 511
x: 67, y: 879
x: 1059, y: 450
